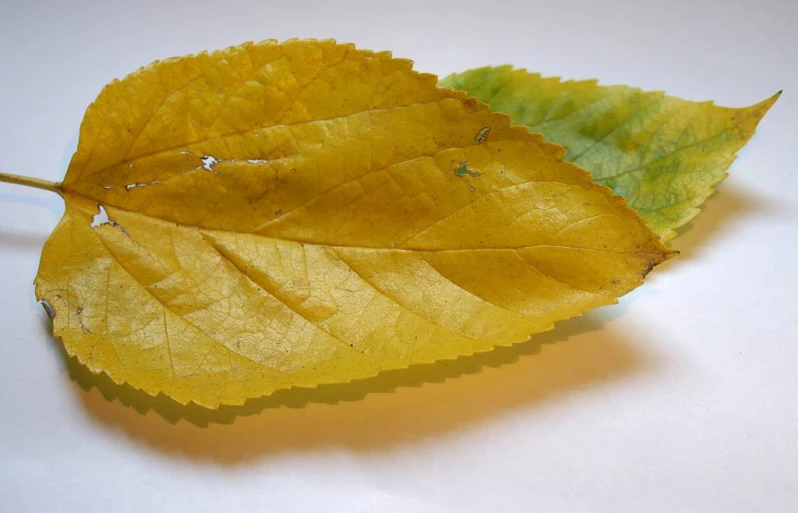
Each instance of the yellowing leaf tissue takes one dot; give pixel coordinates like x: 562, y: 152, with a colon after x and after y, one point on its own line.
x: 286, y: 215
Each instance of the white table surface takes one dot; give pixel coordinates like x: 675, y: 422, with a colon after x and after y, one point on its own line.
x: 684, y: 397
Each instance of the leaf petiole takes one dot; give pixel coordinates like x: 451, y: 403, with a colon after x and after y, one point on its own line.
x: 31, y: 182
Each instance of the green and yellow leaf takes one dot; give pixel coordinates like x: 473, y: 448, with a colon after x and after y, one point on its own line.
x: 663, y: 154
x: 287, y: 215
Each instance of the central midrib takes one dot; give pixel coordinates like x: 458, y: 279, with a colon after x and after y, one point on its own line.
x: 211, y: 231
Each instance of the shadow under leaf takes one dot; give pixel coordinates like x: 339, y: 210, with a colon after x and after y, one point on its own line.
x: 368, y: 415
x: 718, y: 215
x: 386, y: 381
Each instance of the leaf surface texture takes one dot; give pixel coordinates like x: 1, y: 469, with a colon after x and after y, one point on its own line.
x: 663, y: 154
x: 287, y: 215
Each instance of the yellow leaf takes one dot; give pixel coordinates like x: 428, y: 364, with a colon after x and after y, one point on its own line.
x: 286, y: 215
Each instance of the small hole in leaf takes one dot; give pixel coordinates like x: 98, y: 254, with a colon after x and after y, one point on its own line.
x: 208, y: 161
x: 132, y: 185
x: 101, y: 218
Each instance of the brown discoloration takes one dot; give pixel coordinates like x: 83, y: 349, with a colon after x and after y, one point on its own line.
x: 78, y: 311
x: 651, y: 265
x: 667, y: 254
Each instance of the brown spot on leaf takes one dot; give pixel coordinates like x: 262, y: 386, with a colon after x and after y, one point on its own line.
x: 78, y: 311
x: 651, y: 265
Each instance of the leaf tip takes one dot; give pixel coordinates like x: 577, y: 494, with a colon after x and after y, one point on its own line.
x: 761, y: 108
x: 670, y: 253
x: 665, y: 255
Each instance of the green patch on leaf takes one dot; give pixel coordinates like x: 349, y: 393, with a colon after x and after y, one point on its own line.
x: 663, y: 154
x: 463, y: 170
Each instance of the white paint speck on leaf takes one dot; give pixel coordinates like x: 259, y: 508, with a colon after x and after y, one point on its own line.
x: 258, y: 161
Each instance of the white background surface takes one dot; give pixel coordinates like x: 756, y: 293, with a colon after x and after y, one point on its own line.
x: 682, y: 398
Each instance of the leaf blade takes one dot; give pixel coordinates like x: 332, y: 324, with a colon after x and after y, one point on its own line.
x: 343, y: 245
x: 663, y: 154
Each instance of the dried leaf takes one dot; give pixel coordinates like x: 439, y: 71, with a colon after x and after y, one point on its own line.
x: 663, y: 154
x: 286, y: 215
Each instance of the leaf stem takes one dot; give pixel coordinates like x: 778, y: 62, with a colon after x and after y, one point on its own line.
x: 31, y: 182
